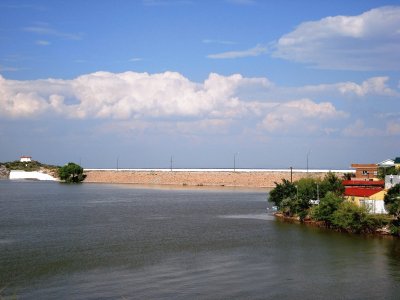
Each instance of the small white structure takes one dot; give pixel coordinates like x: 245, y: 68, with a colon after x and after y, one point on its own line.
x: 25, y: 159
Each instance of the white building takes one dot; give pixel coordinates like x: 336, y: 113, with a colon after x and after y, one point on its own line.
x: 391, y: 181
x: 386, y: 163
x: 25, y: 159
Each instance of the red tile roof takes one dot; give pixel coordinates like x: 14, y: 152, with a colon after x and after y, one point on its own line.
x: 363, y: 183
x: 361, y: 192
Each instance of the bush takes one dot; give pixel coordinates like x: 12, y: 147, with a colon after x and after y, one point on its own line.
x: 331, y: 183
x: 392, y: 201
x: 327, y: 206
x: 282, y: 191
x: 71, y: 173
x: 356, y: 219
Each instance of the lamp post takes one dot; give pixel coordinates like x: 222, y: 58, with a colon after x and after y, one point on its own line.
x: 308, y: 154
x: 234, y: 161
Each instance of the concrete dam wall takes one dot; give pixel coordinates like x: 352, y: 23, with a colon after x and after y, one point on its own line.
x: 229, y: 178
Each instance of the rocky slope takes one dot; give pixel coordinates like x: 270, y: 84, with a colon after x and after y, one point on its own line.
x: 4, y: 172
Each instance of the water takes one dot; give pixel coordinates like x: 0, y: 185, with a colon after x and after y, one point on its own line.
x: 124, y: 242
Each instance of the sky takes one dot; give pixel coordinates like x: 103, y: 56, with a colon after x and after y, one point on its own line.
x: 267, y: 84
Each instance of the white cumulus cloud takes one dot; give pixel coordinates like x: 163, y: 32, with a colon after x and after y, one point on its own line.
x: 301, y: 114
x: 370, y: 41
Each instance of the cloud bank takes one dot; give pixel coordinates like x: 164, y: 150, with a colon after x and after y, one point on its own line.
x: 220, y: 102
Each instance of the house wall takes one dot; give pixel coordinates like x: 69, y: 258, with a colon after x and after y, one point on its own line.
x: 365, y: 171
x: 375, y: 202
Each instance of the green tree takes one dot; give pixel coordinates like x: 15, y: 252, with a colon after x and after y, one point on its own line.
x: 331, y: 183
x: 327, y: 206
x: 307, y: 190
x: 348, y: 176
x: 71, y: 173
x: 392, y: 201
x: 284, y: 190
x: 387, y: 171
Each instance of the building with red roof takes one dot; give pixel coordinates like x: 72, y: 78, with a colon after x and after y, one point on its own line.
x: 367, y: 193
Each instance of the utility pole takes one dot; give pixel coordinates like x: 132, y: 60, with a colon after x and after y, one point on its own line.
x: 171, y: 163
x: 308, y: 154
x: 234, y: 161
x: 117, y: 163
x: 291, y: 174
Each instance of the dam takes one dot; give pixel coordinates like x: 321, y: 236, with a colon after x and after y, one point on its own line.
x: 248, y: 178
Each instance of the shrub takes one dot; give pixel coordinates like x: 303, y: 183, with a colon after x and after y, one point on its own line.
x: 327, y: 206
x: 282, y: 191
x: 356, y: 219
x: 71, y: 173
x: 392, y: 201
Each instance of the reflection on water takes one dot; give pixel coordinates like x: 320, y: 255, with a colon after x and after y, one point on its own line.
x: 123, y: 242
x: 263, y: 216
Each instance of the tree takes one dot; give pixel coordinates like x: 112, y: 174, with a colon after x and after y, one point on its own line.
x: 392, y: 201
x: 382, y: 171
x: 284, y: 190
x: 327, y: 206
x: 306, y: 191
x: 71, y: 173
x: 331, y: 183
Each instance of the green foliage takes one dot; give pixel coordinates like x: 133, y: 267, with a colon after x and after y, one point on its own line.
x: 356, y: 219
x: 331, y: 183
x: 293, y: 199
x: 294, y: 206
x: 282, y: 191
x: 306, y: 191
x: 395, y: 227
x: 348, y: 176
x: 327, y: 206
x: 71, y: 173
x: 387, y: 171
x: 392, y: 201
x: 28, y: 166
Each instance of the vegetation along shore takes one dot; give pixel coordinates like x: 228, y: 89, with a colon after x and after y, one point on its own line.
x: 322, y: 202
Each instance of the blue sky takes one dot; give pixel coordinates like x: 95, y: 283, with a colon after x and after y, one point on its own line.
x: 139, y: 81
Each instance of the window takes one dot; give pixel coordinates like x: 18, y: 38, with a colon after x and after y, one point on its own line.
x: 365, y: 172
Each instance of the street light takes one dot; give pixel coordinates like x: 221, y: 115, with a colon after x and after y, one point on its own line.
x: 234, y: 161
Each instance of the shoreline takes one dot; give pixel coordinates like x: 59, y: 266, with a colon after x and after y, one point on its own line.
x: 320, y: 224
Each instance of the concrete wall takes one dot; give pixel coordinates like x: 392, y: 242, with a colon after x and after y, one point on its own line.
x: 35, y: 175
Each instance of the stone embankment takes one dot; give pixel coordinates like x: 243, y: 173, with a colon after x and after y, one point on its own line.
x: 4, y: 172
x: 251, y: 179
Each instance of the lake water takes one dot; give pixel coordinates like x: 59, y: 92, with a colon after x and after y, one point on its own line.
x: 93, y: 241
